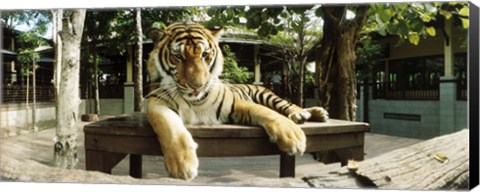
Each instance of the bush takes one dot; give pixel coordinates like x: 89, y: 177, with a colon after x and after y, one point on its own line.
x: 232, y: 73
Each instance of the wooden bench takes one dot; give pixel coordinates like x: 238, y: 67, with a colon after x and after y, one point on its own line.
x: 110, y: 140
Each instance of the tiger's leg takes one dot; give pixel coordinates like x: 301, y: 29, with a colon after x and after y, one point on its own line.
x: 299, y: 115
x: 289, y: 137
x: 178, y: 146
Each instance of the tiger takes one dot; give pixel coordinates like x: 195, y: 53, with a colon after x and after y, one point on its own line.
x: 186, y: 62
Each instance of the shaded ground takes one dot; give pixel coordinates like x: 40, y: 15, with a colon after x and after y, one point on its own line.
x: 236, y: 171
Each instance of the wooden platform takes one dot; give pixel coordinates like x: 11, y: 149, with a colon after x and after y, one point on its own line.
x: 108, y: 141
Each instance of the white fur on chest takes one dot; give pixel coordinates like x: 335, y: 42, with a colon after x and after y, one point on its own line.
x: 198, y: 114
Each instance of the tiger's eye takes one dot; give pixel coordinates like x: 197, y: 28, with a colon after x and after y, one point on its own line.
x: 177, y: 56
x: 204, y: 54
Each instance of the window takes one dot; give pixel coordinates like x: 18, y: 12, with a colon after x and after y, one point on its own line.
x: 379, y: 81
x: 460, y: 64
x: 410, y: 78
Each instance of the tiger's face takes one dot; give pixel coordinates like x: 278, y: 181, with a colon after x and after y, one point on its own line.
x: 188, y: 56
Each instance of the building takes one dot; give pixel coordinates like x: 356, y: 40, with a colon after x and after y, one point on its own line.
x: 419, y: 91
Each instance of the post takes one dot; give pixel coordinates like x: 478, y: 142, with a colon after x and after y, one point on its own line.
x: 256, y: 60
x: 128, y: 91
x: 287, y: 165
x: 136, y: 166
x: 448, y: 86
x: 448, y: 50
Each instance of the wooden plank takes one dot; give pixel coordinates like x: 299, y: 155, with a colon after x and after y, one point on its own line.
x: 123, y: 144
x: 137, y: 125
x: 336, y: 141
x: 411, y: 168
x: 230, y: 147
x: 416, y: 167
x: 218, y: 147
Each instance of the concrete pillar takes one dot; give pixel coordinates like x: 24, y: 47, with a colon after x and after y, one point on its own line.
x: 128, y: 87
x: 448, y: 50
x: 256, y: 60
x: 129, y: 63
x: 448, y: 86
x: 448, y: 97
x: 128, y: 97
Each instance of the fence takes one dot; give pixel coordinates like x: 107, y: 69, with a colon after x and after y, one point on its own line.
x: 18, y: 94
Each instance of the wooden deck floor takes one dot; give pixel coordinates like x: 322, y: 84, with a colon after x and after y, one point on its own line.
x: 39, y: 147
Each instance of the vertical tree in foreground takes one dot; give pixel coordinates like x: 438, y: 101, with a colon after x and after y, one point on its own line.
x: 65, y: 148
x: 138, y: 82
x: 336, y: 60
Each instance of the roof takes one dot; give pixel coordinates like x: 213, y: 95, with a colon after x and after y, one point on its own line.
x: 7, y: 52
x: 241, y: 41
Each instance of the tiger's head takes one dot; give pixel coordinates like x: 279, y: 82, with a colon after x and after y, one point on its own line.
x: 186, y: 57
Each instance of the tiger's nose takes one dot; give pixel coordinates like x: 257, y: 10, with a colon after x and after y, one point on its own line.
x: 195, y: 85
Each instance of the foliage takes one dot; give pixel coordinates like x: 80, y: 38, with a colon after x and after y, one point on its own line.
x: 123, y: 24
x: 38, y: 19
x: 367, y: 58
x: 413, y: 21
x: 233, y: 73
x: 267, y: 20
x: 28, y: 42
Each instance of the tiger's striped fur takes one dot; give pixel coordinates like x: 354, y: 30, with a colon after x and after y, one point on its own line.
x: 187, y: 62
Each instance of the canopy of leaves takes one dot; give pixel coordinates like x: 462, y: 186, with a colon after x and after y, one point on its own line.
x: 413, y: 21
x: 27, y: 43
x: 123, y: 24
x: 38, y: 19
x: 267, y: 20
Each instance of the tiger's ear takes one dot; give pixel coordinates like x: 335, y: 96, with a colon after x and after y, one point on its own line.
x: 156, y: 32
x: 217, y: 32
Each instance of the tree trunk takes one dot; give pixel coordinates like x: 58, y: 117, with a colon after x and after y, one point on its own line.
x: 57, y: 27
x: 65, y: 148
x: 138, y: 83
x: 440, y: 163
x: 34, y: 98
x: 96, y: 85
x: 299, y: 83
x: 27, y: 107
x: 336, y: 62
x: 95, y: 76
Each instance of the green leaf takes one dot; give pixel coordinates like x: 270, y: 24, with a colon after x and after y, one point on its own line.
x: 402, y: 27
x: 211, y: 11
x: 382, y: 30
x: 392, y: 28
x: 414, y: 38
x: 431, y: 31
x: 446, y: 13
x: 319, y: 12
x: 464, y: 11
x: 465, y: 23
x: 386, y: 15
x: 416, y: 24
x: 425, y: 17
x: 430, y: 8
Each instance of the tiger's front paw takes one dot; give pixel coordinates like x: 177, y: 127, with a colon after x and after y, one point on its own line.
x: 181, y: 159
x: 300, y: 116
x: 318, y: 114
x: 289, y: 137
